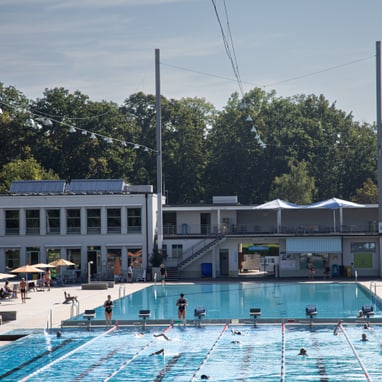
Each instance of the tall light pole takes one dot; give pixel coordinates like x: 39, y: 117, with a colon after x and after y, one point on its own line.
x: 159, y: 150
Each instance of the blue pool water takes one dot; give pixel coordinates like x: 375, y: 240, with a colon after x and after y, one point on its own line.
x: 234, y: 300
x: 262, y: 353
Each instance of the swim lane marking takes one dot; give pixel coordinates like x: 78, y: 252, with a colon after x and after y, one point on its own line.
x: 282, y: 376
x: 355, y: 353
x: 67, y: 355
x: 115, y: 372
x: 209, y: 353
x: 168, y: 367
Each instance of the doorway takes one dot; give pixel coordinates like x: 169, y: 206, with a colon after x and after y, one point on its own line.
x: 224, y: 262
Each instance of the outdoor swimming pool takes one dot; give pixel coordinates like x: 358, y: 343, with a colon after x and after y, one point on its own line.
x: 267, y: 352
x: 234, y: 300
x: 262, y: 353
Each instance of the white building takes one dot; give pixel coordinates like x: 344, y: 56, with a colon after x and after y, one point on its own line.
x: 84, y: 221
x: 107, y: 222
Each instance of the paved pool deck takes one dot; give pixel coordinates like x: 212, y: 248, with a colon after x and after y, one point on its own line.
x: 47, y: 307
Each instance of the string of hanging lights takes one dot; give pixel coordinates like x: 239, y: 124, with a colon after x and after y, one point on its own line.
x: 37, y: 121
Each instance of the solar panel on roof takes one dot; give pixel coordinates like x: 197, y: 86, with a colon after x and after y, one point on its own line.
x: 96, y: 185
x: 37, y: 186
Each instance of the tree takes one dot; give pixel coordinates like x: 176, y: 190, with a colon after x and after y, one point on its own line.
x: 28, y: 169
x: 367, y: 194
x: 296, y: 186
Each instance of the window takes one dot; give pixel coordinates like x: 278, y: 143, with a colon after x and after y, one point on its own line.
x: 134, y: 220
x: 113, y: 220
x: 177, y: 251
x: 363, y: 247
x: 52, y: 221
x: 94, y: 220
x: 32, y: 222
x: 73, y: 221
x: 12, y: 222
x: 12, y: 258
x: 32, y: 255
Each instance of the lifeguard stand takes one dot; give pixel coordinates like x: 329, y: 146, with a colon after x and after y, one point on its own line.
x: 89, y: 314
x: 199, y: 312
x: 144, y: 314
x: 311, y: 311
x: 255, y: 313
x: 367, y: 311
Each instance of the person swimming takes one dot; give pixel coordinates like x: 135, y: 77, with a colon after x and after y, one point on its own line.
x: 158, y: 352
x: 303, y: 352
x: 162, y: 335
x: 237, y: 332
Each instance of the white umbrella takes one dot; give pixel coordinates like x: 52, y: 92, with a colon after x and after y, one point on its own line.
x: 6, y: 276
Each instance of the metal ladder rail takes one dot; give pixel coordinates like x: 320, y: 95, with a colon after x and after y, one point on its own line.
x: 209, y: 353
x: 355, y: 353
x: 373, y: 291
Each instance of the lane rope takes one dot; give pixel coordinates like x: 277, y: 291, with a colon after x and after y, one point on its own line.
x: 355, y: 353
x: 67, y: 354
x: 282, y: 378
x: 124, y: 364
x: 209, y: 352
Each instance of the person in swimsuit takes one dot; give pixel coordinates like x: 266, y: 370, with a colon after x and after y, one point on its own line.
x: 181, y: 304
x: 23, y: 290
x: 108, y: 305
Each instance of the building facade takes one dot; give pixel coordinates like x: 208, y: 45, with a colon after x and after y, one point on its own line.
x: 98, y: 224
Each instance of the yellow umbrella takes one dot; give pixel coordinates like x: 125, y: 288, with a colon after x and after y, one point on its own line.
x: 61, y: 263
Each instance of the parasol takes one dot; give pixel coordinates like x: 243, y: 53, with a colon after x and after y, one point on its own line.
x: 6, y: 276
x: 117, y: 266
x: 43, y: 265
x: 27, y: 269
x: 61, y: 263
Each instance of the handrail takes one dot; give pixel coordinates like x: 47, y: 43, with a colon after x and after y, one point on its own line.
x: 123, y: 289
x: 77, y: 305
x: 355, y: 353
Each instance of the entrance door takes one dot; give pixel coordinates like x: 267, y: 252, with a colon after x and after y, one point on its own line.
x: 224, y: 262
x: 92, y: 256
x: 205, y: 223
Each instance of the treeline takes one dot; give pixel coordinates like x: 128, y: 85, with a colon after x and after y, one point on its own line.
x: 301, y: 149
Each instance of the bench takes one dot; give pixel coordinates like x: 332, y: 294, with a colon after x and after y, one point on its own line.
x: 95, y: 286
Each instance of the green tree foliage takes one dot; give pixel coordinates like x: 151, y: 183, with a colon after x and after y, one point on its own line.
x: 23, y: 169
x: 367, y: 194
x: 204, y: 152
x: 296, y: 186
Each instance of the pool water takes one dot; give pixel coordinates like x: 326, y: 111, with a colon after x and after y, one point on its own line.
x: 125, y: 354
x: 234, y: 300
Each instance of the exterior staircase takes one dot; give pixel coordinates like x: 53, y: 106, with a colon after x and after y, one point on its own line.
x: 172, y: 274
x: 200, y: 252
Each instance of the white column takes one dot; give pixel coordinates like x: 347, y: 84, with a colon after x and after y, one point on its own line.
x: 63, y: 224
x: 103, y: 221
x: 124, y: 220
x: 84, y: 221
x: 22, y: 222
x: 43, y: 218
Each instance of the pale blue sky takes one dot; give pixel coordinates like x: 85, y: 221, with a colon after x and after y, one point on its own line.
x: 106, y: 48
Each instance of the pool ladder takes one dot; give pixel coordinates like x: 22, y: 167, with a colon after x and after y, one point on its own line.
x: 373, y: 291
x: 75, y: 304
x: 122, y: 290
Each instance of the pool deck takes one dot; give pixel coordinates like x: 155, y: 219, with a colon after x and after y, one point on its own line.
x: 47, y: 307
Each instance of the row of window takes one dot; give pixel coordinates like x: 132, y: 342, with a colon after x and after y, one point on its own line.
x: 73, y: 221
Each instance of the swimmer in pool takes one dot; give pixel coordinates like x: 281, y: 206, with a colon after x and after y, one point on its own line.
x: 162, y: 335
x: 158, y: 352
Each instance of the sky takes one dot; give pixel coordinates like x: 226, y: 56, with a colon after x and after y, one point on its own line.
x: 106, y: 49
